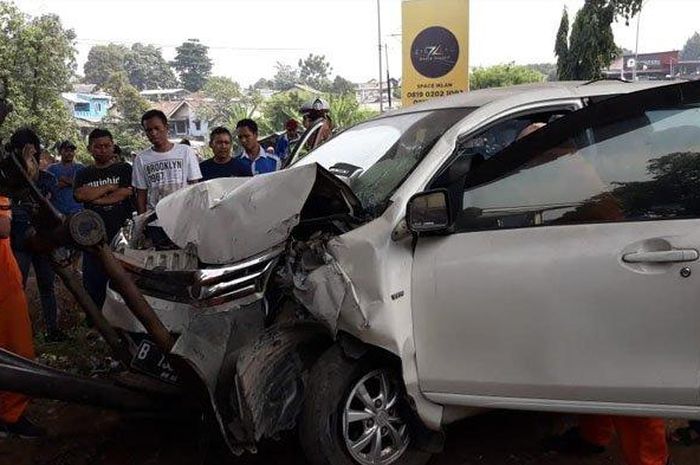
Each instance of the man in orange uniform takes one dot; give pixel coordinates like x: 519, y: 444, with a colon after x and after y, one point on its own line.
x: 642, y: 439
x: 15, y: 327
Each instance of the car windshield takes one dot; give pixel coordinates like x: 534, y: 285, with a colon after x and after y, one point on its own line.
x: 375, y: 157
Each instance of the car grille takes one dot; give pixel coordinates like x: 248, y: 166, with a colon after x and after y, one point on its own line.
x: 203, y: 287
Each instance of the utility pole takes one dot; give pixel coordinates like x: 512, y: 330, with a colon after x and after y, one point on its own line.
x: 388, y: 76
x: 636, y: 48
x: 379, y: 41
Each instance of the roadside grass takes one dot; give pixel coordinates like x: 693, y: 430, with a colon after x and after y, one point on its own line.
x: 84, y: 351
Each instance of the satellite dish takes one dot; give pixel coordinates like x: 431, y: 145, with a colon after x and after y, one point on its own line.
x: 631, y: 63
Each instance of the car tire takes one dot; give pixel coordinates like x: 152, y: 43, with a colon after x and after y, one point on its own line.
x: 335, y: 390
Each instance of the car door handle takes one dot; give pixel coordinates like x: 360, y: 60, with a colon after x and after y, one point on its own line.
x: 664, y: 256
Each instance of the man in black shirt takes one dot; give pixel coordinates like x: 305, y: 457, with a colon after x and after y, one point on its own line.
x: 221, y: 165
x: 104, y: 188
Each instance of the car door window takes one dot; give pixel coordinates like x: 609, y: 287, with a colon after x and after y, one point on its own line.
x: 643, y: 166
x: 471, y: 151
x: 498, y: 137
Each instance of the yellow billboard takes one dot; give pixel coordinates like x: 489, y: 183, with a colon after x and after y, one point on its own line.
x: 435, y: 49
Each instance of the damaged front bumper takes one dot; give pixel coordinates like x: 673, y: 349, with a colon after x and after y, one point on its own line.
x: 177, y: 295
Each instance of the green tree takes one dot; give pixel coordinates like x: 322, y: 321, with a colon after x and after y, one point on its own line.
x: 103, y: 61
x: 193, y: 64
x: 280, y: 108
x: 591, y: 45
x: 314, y: 71
x: 224, y: 100
x: 285, y: 77
x: 38, y: 58
x: 625, y: 8
x: 245, y: 109
x: 130, y: 105
x: 342, y: 86
x: 263, y: 83
x: 502, y: 76
x: 691, y: 50
x: 561, y: 48
x: 346, y: 111
x: 147, y: 69
x: 125, y: 118
x: 549, y: 70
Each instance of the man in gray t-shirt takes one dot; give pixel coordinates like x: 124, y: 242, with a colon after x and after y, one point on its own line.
x: 165, y: 167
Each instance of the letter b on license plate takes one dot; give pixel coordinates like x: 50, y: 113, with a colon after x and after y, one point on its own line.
x: 151, y: 361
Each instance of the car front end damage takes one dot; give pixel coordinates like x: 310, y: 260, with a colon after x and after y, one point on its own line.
x: 250, y: 320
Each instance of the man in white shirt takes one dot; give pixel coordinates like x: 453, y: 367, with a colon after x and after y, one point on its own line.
x: 165, y: 167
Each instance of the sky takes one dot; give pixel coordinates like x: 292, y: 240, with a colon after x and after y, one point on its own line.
x: 247, y: 37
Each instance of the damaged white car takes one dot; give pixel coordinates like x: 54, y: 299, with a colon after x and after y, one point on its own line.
x: 437, y: 260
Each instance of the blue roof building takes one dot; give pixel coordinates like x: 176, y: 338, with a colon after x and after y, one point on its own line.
x: 88, y: 107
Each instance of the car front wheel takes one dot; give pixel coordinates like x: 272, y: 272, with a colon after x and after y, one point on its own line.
x: 355, y: 414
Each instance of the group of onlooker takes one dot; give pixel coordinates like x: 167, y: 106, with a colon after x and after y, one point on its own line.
x: 113, y: 189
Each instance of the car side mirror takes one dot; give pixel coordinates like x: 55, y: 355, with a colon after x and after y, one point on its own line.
x: 429, y: 212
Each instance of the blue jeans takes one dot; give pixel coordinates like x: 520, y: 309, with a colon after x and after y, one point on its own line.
x: 94, y: 279
x: 45, y: 278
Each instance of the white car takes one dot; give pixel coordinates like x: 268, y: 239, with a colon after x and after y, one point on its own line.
x: 460, y: 264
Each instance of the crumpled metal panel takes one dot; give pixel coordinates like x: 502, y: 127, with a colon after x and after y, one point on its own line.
x: 230, y: 219
x: 326, y: 291
x: 207, y: 341
x: 270, y: 379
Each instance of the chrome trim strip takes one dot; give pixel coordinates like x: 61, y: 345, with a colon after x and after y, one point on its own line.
x: 222, y: 299
x: 215, y: 275
x: 206, y: 292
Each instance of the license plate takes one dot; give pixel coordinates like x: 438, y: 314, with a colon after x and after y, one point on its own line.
x: 152, y: 362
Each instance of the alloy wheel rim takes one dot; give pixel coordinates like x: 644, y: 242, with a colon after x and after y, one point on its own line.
x: 373, y: 430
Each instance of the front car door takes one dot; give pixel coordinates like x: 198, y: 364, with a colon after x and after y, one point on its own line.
x: 571, y: 280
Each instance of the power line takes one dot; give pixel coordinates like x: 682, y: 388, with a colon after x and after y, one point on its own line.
x: 211, y: 47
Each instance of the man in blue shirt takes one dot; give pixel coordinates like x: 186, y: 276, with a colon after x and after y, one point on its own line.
x: 65, y: 172
x: 221, y: 165
x: 254, y: 160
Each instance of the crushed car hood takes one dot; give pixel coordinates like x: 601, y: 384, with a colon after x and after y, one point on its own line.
x: 230, y: 219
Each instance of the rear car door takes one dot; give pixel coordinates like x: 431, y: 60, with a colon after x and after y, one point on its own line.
x: 572, y: 273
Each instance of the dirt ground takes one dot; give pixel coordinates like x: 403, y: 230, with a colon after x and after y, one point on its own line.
x: 80, y: 435
x: 86, y: 436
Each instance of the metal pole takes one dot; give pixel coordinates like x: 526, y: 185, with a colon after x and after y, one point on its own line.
x: 133, y: 298
x: 110, y: 335
x: 636, y: 47
x: 73, y: 388
x: 388, y: 76
x: 379, y: 41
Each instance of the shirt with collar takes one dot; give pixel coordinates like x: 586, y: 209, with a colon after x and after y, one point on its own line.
x: 263, y: 163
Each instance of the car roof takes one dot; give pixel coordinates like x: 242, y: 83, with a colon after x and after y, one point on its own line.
x: 530, y: 93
